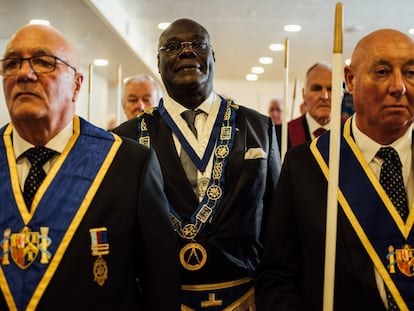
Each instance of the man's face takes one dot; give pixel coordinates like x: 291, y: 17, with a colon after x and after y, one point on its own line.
x: 138, y: 96
x: 381, y: 80
x: 317, y: 94
x: 275, y: 111
x: 47, y: 96
x: 187, y: 68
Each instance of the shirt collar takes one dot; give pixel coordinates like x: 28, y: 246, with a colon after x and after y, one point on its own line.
x: 369, y: 147
x: 171, y: 105
x: 57, y: 143
x: 313, y: 124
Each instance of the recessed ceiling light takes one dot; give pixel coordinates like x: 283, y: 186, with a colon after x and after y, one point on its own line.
x: 411, y: 31
x: 251, y: 77
x: 292, y: 28
x: 163, y: 26
x: 348, y: 61
x: 266, y: 60
x: 100, y: 62
x: 257, y: 69
x: 276, y: 47
x: 39, y: 22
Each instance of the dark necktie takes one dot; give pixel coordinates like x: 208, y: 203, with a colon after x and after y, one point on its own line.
x: 391, y: 179
x: 188, y: 165
x: 37, y: 156
x: 318, y: 132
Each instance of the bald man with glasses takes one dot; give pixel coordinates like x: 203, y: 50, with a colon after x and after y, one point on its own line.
x: 84, y: 220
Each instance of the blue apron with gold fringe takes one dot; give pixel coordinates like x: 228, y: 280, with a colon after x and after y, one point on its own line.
x: 34, y: 242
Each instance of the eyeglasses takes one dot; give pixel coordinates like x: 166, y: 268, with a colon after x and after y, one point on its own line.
x: 173, y: 48
x: 39, y: 64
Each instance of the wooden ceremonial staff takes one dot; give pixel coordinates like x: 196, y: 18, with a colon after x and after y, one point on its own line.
x: 294, y: 103
x: 285, y: 99
x: 334, y: 147
x: 119, y: 94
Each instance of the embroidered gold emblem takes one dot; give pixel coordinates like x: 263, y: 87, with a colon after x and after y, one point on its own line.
x: 193, y: 256
x: 189, y: 231
x: 100, y: 271
x: 403, y: 258
x: 5, y: 245
x: 222, y: 151
x: 214, y: 192
x: 145, y: 141
x: 204, y: 213
x: 25, y: 247
x: 225, y: 133
x: 211, y: 302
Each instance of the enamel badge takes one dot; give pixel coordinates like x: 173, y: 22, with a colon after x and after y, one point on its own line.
x: 99, y: 247
x: 24, y: 247
x: 403, y: 258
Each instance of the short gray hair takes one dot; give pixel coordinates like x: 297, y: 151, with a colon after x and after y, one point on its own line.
x: 142, y: 78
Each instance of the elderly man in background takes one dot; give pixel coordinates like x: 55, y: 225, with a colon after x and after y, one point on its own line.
x: 140, y: 92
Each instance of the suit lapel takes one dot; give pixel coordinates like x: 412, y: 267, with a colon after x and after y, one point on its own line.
x: 236, y: 160
x: 177, y: 186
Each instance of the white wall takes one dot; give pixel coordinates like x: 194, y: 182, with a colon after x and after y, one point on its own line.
x: 95, y: 108
x: 257, y: 94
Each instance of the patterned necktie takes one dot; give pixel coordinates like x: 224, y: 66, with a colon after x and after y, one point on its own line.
x: 188, y: 165
x: 391, y: 179
x: 37, y: 156
x: 318, y: 132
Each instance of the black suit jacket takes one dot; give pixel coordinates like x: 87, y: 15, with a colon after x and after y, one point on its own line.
x: 232, y: 239
x: 142, y: 260
x: 292, y: 271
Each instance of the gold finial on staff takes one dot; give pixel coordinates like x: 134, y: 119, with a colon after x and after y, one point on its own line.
x: 285, y: 100
x: 337, y: 48
x: 333, y: 177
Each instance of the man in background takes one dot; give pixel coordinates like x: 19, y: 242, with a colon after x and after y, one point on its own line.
x: 276, y: 110
x: 317, y: 101
x: 140, y: 92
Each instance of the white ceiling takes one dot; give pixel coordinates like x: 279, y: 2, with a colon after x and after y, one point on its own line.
x: 241, y: 30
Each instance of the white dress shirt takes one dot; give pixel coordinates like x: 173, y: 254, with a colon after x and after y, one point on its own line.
x: 57, y: 143
x: 204, y: 123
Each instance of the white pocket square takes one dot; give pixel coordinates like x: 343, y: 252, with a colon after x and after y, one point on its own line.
x: 255, y: 153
